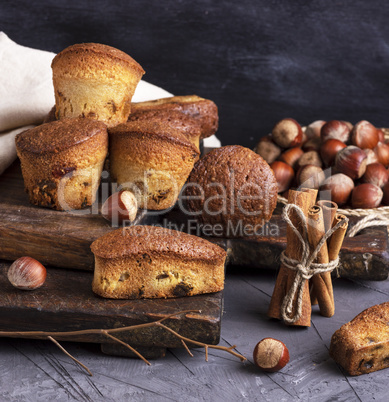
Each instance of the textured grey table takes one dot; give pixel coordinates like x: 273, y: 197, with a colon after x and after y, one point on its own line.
x: 38, y: 371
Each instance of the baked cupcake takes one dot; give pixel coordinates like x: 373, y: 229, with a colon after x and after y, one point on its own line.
x: 152, y: 160
x: 62, y: 162
x: 154, y: 262
x: 233, y: 191
x: 203, y: 110
x: 177, y: 120
x: 95, y: 81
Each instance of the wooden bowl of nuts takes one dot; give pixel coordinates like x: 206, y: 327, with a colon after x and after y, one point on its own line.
x: 347, y: 163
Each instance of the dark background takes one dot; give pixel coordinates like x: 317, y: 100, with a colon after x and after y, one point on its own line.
x: 259, y: 60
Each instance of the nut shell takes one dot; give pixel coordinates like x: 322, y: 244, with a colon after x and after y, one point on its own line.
x: 382, y: 152
x: 329, y: 149
x: 375, y: 174
x: 271, y: 354
x: 119, y: 207
x: 335, y: 129
x: 364, y: 135
x: 267, y: 149
x: 310, y: 158
x: 351, y: 161
x: 284, y: 175
x: 313, y: 129
x: 27, y: 274
x: 366, y: 195
x: 291, y: 156
x: 339, y: 188
x: 310, y: 176
x: 287, y: 133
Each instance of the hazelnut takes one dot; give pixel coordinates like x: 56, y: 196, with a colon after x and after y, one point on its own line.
x: 351, y: 161
x: 371, y: 156
x: 337, y: 188
x: 336, y: 129
x: 364, y: 135
x: 291, y: 156
x: 382, y: 152
x: 310, y: 176
x: 313, y: 129
x: 375, y: 174
x: 313, y: 144
x: 330, y: 149
x: 27, y: 274
x: 267, y: 149
x: 119, y: 207
x: 366, y: 195
x: 310, y: 158
x: 284, y: 175
x: 287, y: 133
x: 271, y: 354
x: 348, y: 124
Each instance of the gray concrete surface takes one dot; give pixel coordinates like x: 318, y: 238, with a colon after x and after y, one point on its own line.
x: 38, y: 371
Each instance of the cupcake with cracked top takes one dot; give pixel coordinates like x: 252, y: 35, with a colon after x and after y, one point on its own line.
x: 203, y: 110
x: 62, y: 162
x: 188, y: 125
x: 151, y: 159
x: 96, y: 81
x: 232, y: 191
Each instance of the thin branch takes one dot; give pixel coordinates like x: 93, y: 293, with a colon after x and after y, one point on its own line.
x: 68, y: 354
x: 45, y: 334
x: 127, y: 346
x: 186, y: 347
x: 204, y: 345
x: 108, y: 332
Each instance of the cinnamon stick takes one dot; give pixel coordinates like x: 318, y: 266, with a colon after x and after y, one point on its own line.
x: 330, y: 209
x: 305, y: 200
x: 321, y: 283
x: 336, y: 240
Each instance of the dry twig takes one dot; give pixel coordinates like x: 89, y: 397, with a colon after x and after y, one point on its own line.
x: 108, y: 333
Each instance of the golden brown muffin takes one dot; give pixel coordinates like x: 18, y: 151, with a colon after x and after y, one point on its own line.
x: 233, y: 190
x: 362, y: 345
x: 152, y: 160
x: 95, y: 81
x: 154, y: 262
x: 203, y: 110
x: 62, y: 162
x: 175, y: 119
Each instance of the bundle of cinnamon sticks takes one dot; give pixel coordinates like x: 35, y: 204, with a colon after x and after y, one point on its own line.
x: 322, y: 219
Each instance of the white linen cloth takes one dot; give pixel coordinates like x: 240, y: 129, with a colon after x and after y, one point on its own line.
x: 27, y: 93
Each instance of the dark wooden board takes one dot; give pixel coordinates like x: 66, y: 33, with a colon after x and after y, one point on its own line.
x: 63, y: 239
x: 66, y: 303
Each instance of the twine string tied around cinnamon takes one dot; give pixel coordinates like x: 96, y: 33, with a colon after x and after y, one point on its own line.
x: 306, y: 267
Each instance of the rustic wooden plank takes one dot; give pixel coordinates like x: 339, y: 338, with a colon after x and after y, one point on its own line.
x: 364, y: 256
x: 67, y: 303
x: 63, y: 239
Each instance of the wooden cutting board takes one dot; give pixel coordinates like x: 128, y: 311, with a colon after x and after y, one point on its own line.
x: 66, y: 303
x: 63, y: 239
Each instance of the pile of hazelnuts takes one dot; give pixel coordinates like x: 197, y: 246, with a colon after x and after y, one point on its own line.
x: 346, y: 163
